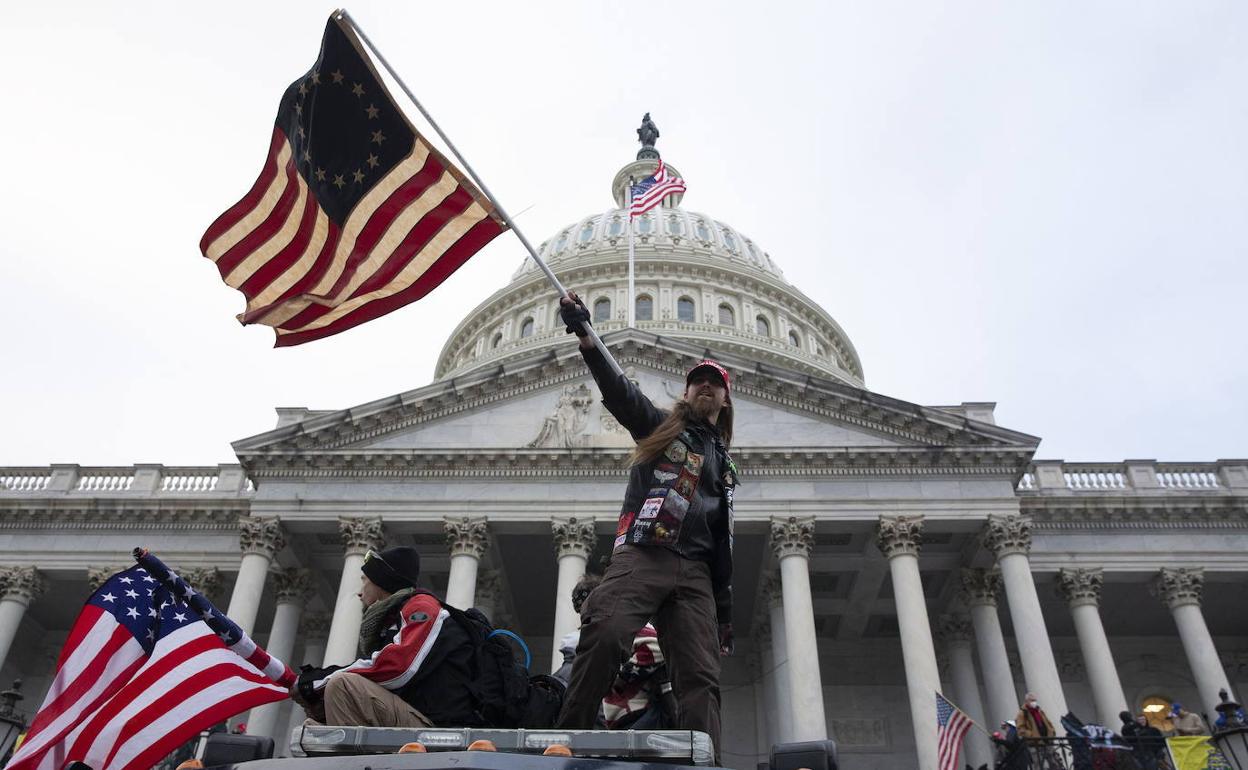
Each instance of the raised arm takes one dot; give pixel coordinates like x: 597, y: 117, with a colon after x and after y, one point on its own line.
x: 623, y: 399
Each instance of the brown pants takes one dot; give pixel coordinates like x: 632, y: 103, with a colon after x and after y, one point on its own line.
x: 644, y: 583
x: 351, y: 699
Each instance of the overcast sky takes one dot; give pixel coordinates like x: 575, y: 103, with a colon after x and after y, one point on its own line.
x: 1038, y: 204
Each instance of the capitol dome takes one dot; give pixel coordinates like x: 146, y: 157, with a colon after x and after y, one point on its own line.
x: 697, y: 279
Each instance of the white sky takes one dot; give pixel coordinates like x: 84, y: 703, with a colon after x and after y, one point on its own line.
x: 1039, y: 204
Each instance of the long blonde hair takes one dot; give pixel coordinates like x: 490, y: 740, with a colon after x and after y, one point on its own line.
x: 657, y: 442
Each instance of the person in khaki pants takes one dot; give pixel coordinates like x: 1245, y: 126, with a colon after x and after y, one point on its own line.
x: 401, y: 627
x: 672, y: 557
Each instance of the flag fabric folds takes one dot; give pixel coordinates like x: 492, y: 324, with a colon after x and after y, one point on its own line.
x: 951, y: 727
x: 148, y: 664
x: 651, y: 191
x: 354, y: 214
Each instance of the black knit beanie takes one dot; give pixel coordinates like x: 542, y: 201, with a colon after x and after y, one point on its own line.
x: 393, y: 569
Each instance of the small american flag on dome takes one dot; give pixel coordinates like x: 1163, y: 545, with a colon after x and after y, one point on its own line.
x: 651, y: 191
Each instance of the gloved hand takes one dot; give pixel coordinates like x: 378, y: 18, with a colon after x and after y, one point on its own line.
x: 726, y: 644
x: 573, y: 312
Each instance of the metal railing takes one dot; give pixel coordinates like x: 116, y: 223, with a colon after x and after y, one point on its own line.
x: 1073, y: 753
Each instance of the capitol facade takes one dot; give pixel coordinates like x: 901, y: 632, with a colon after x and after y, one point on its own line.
x: 885, y: 550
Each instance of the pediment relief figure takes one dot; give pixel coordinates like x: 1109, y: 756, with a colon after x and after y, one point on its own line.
x: 564, y: 428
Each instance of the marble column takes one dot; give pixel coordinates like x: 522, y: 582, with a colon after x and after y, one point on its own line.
x: 467, y: 539
x: 980, y: 588
x: 1009, y: 538
x: 1181, y: 590
x: 900, y: 538
x: 792, y: 540
x: 293, y: 587
x: 574, y: 542
x: 956, y: 634
x: 773, y: 592
x: 19, y: 586
x: 260, y: 540
x: 358, y: 536
x: 1081, y: 588
x: 313, y: 628
x: 489, y: 594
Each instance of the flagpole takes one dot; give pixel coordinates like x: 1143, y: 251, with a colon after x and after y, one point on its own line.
x: 563, y: 292
x: 632, y: 289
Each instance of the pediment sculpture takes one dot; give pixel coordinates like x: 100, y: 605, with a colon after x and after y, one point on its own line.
x: 565, y: 426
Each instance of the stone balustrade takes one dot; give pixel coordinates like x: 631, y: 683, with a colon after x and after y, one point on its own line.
x: 1131, y: 477
x: 126, y: 481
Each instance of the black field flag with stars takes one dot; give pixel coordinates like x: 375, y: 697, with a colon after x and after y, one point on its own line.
x: 354, y: 215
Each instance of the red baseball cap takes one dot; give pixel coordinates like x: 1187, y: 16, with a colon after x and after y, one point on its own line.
x: 716, y: 367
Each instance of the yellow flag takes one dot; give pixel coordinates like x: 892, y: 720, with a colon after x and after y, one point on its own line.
x: 1195, y: 752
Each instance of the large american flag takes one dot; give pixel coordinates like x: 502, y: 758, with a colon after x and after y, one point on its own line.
x: 651, y: 191
x: 148, y: 664
x: 951, y: 725
x: 354, y: 214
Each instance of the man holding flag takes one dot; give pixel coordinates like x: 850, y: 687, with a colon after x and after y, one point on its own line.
x: 672, y: 559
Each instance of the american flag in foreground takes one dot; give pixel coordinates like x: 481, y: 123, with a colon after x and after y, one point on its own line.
x: 951, y: 727
x: 354, y: 214
x: 148, y: 664
x: 651, y: 191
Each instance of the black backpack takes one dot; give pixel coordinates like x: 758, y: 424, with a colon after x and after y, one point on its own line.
x: 472, y: 678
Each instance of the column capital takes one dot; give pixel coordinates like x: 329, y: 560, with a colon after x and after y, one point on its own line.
x: 773, y: 590
x: 573, y: 537
x: 1081, y: 585
x: 793, y: 536
x: 359, y: 535
x: 314, y: 625
x: 955, y: 629
x: 899, y: 535
x: 23, y: 584
x: 205, y: 580
x: 1179, y: 586
x: 466, y: 536
x: 260, y: 534
x: 980, y: 586
x: 1004, y: 535
x: 292, y: 586
x: 98, y: 576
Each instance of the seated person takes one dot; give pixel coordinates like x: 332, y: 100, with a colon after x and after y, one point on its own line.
x: 641, y: 696
x: 407, y: 649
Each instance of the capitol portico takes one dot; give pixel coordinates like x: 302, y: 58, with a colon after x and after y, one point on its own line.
x: 884, y: 550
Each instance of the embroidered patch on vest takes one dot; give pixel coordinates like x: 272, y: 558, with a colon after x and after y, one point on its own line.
x: 418, y: 617
x: 650, y: 508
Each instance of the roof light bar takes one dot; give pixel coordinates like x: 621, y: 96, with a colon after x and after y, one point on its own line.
x: 683, y: 746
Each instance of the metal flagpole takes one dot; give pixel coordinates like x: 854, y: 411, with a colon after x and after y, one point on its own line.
x: 615, y: 366
x: 632, y: 289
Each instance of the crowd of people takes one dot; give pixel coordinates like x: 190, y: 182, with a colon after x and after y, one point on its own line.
x: 1023, y: 742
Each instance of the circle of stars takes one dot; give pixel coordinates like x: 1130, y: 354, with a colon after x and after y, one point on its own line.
x: 358, y: 176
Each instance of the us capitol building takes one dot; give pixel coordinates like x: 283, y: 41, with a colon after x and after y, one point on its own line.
x: 884, y: 550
